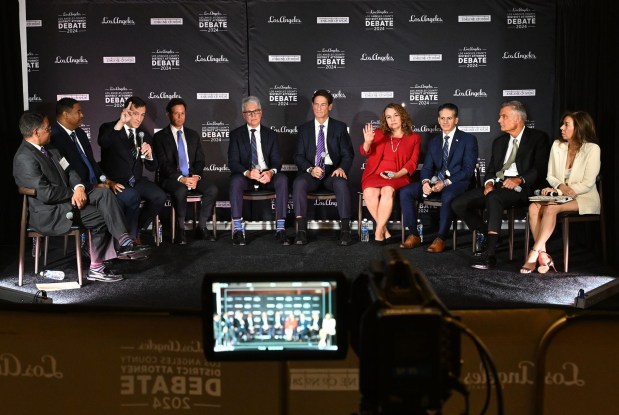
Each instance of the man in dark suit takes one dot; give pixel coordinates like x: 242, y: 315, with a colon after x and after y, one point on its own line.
x: 73, y: 143
x: 324, y: 157
x: 125, y: 151
x: 59, y: 190
x: 446, y: 173
x: 254, y: 159
x: 518, y: 165
x: 181, y: 168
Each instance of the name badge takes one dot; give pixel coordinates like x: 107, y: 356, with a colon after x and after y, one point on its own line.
x: 64, y: 163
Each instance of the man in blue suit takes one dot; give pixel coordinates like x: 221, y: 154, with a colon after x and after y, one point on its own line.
x: 324, y: 157
x: 254, y: 159
x: 446, y: 173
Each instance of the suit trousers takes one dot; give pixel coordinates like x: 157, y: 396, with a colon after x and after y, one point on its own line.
x: 305, y: 183
x: 103, y: 216
x: 179, y: 198
x: 414, y: 191
x: 131, y: 197
x: 470, y: 205
x: 240, y: 183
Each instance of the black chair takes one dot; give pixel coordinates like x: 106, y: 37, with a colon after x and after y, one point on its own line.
x: 26, y: 232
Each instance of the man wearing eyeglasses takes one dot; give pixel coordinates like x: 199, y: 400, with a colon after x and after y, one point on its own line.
x: 125, y: 151
x: 255, y: 162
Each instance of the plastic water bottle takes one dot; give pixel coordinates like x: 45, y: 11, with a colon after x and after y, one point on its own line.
x: 365, y: 232
x: 243, y: 228
x: 420, y: 230
x: 160, y: 232
x: 83, y: 236
x: 54, y: 275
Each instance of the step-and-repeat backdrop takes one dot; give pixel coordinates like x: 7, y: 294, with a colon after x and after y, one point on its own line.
x: 419, y: 53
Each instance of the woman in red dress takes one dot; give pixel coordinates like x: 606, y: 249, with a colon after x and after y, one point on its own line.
x: 392, y: 152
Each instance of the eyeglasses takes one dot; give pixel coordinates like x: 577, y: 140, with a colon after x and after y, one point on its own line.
x: 48, y: 129
x: 252, y: 113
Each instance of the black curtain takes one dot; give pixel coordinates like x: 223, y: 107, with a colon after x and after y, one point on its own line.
x: 11, y: 107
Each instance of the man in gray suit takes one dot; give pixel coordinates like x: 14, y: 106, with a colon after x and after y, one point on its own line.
x: 59, y: 190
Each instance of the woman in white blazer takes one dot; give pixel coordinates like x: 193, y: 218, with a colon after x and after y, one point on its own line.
x: 572, y: 171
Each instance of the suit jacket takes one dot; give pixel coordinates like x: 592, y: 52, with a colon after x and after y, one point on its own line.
x: 63, y: 142
x: 166, y: 152
x: 585, y: 170
x: 463, y: 154
x: 239, y: 149
x: 406, y: 156
x: 339, y: 146
x: 53, y: 183
x: 116, y: 159
x: 531, y: 158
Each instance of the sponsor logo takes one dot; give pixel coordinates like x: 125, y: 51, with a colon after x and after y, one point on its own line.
x: 215, y: 167
x: 45, y: 367
x: 212, y: 59
x: 165, y: 60
x: 128, y: 21
x: 163, y: 95
x: 520, y: 18
x: 433, y: 129
x: 475, y: 128
x: 425, y: 57
x: 213, y: 22
x: 424, y: 94
x: 519, y: 55
x: 379, y: 20
x: 529, y: 123
x: 333, y: 20
x: 328, y: 202
x: 284, y: 58
x: 474, y: 18
x: 32, y: 62
x: 77, y: 97
x: 524, y: 374
x: 283, y: 95
x: 284, y: 20
x: 472, y: 57
x: 328, y: 58
x: 224, y: 204
x: 119, y: 59
x: 470, y: 93
x: 34, y: 23
x: 284, y: 129
x: 35, y: 98
x: 376, y: 57
x: 338, y: 95
x: 72, y: 22
x: 213, y: 95
x: 519, y: 92
x: 166, y: 21
x: 70, y: 59
x: 376, y: 94
x: 86, y: 128
x: 290, y: 167
x: 324, y: 379
x: 215, y: 132
x: 115, y: 96
x: 425, y: 19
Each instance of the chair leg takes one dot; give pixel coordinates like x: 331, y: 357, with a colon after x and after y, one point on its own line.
x: 37, y: 252
x: 78, y: 256
x: 511, y: 218
x: 45, y: 252
x: 173, y: 215
x: 455, y: 234
x: 566, y: 243
x: 359, y: 214
x: 527, y: 236
x: 402, y: 229
x: 214, y: 223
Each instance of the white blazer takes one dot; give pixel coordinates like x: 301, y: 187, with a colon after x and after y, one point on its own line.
x: 585, y: 170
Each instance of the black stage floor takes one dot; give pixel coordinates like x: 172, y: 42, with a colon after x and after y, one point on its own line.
x: 170, y: 279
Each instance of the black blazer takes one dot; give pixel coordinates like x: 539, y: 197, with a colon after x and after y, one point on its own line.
x: 116, y: 159
x: 531, y: 158
x: 339, y: 146
x: 239, y: 149
x: 53, y: 183
x: 63, y: 142
x: 166, y: 152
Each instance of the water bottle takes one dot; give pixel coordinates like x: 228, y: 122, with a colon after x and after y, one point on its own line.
x: 160, y: 232
x: 420, y: 230
x: 54, y: 275
x: 365, y: 232
x: 83, y: 236
x: 243, y: 228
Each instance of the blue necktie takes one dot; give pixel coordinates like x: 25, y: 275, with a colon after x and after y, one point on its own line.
x: 320, y: 149
x: 91, y: 172
x: 445, y: 158
x: 254, y: 150
x: 182, y: 155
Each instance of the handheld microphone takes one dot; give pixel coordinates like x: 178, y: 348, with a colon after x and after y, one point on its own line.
x: 102, y: 178
x: 72, y: 215
x: 433, y: 181
x: 517, y: 189
x: 141, y: 137
x: 539, y: 192
x: 323, y: 155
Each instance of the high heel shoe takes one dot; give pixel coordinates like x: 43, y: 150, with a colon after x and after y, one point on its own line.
x: 529, y: 266
x: 544, y: 266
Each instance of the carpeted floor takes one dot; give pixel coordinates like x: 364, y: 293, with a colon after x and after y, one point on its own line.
x: 170, y: 279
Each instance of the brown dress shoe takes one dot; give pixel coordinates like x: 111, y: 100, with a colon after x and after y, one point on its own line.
x: 411, y: 242
x: 437, y: 245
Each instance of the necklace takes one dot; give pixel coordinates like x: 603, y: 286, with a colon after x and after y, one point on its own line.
x: 398, y: 145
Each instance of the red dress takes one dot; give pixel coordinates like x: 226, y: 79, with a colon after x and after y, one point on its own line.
x: 386, y: 154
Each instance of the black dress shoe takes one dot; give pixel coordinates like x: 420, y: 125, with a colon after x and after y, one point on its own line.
x: 105, y: 275
x: 132, y: 249
x: 282, y: 238
x: 484, y: 261
x: 345, y: 238
x: 205, y: 234
x: 238, y: 238
x: 300, y: 238
x: 181, y: 238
